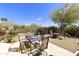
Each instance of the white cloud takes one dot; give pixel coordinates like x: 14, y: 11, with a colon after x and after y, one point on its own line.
x: 38, y: 19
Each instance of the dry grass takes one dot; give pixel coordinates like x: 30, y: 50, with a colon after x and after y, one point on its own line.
x: 71, y: 44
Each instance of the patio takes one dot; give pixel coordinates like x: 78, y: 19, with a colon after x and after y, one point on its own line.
x: 52, y: 50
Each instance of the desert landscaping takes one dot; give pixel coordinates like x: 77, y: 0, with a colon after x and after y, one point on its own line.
x: 71, y: 44
x: 37, y: 32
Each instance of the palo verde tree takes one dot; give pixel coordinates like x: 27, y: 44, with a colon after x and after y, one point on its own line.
x: 4, y: 20
x: 65, y: 16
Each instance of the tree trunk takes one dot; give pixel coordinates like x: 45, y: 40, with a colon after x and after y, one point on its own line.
x: 62, y: 29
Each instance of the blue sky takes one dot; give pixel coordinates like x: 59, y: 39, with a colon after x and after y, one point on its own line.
x: 29, y: 13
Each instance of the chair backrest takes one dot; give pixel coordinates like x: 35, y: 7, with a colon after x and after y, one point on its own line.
x: 44, y: 44
x: 23, y: 45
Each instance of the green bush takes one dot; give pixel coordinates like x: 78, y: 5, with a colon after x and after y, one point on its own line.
x: 73, y: 31
x: 42, y: 31
x: 53, y: 29
x: 12, y: 33
x: 10, y: 36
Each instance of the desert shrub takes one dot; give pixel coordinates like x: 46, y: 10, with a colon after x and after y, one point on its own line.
x: 9, y: 36
x: 42, y: 30
x: 73, y: 31
x: 53, y: 29
x: 12, y: 33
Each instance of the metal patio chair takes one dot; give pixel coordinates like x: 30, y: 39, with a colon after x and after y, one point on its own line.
x: 39, y: 51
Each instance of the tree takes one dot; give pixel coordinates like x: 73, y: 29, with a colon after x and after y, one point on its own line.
x: 4, y: 19
x: 32, y: 28
x: 42, y: 30
x: 73, y: 30
x: 23, y: 27
x: 53, y: 29
x: 65, y: 16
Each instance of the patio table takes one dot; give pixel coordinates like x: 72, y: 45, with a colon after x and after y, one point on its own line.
x: 34, y: 39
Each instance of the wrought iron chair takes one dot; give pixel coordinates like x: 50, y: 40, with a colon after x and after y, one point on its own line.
x: 40, y: 47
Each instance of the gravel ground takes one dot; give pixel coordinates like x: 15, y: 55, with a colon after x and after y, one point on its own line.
x: 58, y: 51
x: 71, y: 44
